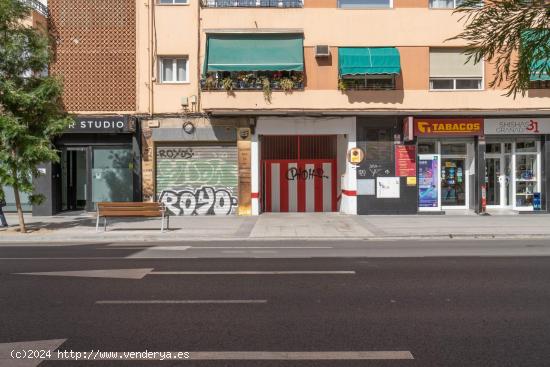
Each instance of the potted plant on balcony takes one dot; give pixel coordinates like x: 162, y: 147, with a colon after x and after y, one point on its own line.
x: 298, y: 79
x: 287, y: 85
x: 227, y: 84
x: 266, y: 87
x: 209, y: 83
x: 342, y: 87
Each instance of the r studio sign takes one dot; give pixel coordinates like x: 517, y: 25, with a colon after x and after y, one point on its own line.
x: 106, y: 124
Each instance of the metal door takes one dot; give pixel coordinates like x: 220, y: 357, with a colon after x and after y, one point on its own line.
x: 307, y: 185
x: 197, y: 179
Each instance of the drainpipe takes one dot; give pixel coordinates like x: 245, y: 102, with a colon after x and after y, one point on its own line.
x: 151, y: 5
x: 199, y: 4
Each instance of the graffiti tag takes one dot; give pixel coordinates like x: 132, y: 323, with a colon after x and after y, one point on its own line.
x: 203, y: 201
x: 304, y: 174
x: 376, y: 169
x: 174, y: 153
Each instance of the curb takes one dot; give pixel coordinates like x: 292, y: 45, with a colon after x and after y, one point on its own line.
x: 145, y: 239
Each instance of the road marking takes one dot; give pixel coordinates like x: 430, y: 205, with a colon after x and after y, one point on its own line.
x: 289, y: 272
x: 318, y: 355
x: 168, y: 248
x: 258, y: 247
x: 186, y: 301
x: 104, y: 273
x: 142, y: 272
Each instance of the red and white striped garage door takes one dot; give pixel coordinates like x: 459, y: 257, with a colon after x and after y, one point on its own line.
x: 300, y: 185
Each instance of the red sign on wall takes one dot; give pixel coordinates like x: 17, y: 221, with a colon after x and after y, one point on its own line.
x: 405, y: 160
x: 448, y: 127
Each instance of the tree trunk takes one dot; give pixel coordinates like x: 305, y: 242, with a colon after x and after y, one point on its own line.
x: 22, y: 227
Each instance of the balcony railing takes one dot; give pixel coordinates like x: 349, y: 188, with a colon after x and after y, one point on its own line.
x: 245, y: 85
x: 38, y: 6
x: 253, y: 3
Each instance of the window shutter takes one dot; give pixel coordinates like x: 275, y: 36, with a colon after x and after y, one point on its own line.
x: 445, y: 63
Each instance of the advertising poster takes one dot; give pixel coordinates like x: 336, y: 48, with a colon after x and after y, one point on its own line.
x: 427, y: 182
x: 405, y: 160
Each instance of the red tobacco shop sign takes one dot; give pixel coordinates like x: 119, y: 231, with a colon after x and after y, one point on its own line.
x: 448, y: 127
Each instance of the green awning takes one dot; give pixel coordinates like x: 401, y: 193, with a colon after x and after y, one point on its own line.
x: 368, y: 60
x: 255, y: 52
x: 537, y: 41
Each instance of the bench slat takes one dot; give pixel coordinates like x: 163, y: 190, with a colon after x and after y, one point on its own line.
x: 118, y: 213
x: 131, y: 209
x: 129, y: 204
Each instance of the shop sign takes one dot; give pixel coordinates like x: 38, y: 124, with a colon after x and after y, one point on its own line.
x: 517, y: 126
x: 356, y: 155
x: 405, y: 160
x: 428, y: 182
x: 103, y: 124
x: 448, y: 127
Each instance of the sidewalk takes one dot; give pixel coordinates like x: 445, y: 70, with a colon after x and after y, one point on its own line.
x: 302, y: 226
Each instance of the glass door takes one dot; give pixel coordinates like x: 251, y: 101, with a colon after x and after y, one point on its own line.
x: 493, y: 175
x: 454, y: 175
x: 112, y: 178
x: 526, y: 173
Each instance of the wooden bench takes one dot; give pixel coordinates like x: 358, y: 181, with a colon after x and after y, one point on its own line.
x: 129, y: 210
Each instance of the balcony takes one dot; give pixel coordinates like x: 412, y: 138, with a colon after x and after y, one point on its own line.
x: 37, y: 5
x: 258, y: 81
x: 253, y: 3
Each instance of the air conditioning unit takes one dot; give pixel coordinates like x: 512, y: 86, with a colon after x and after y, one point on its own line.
x: 322, y: 51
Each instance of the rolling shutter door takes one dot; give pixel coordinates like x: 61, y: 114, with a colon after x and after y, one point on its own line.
x: 197, y: 180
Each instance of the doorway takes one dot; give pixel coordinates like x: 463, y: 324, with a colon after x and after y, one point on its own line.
x: 498, y: 179
x: 73, y: 179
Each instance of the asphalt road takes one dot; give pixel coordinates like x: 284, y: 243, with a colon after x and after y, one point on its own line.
x: 443, y: 311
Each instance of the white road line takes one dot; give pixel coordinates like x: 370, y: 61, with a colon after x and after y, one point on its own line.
x: 258, y: 247
x: 185, y: 301
x: 320, y: 355
x: 290, y: 272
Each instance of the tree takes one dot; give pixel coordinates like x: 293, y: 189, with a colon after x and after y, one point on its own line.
x: 513, y: 34
x: 31, y: 112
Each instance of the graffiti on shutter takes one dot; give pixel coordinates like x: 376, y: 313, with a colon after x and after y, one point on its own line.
x: 198, y: 180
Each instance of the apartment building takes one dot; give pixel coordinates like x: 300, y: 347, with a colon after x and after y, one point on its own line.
x: 232, y: 107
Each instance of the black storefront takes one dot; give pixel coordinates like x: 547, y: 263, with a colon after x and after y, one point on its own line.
x: 100, y: 160
x: 449, y: 164
x: 386, y: 183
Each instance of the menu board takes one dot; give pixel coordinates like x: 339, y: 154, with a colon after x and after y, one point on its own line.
x: 405, y: 160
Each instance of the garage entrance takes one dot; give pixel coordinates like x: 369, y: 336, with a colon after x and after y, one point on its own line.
x: 299, y: 173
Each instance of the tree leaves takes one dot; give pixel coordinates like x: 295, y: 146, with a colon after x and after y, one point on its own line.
x: 512, y: 34
x: 31, y: 113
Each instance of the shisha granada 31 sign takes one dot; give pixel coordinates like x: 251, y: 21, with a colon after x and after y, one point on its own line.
x: 517, y: 126
x: 448, y: 127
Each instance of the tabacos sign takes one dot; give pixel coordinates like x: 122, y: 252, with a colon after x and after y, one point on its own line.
x: 448, y: 127
x: 517, y: 126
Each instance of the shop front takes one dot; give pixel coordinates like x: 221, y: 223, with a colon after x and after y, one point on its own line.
x: 99, y: 161
x: 447, y: 162
x: 299, y: 165
x: 196, y: 172
x: 514, y: 162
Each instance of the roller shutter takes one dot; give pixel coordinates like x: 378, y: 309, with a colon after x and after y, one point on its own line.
x: 197, y: 179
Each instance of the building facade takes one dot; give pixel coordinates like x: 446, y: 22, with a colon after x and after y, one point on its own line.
x: 240, y: 107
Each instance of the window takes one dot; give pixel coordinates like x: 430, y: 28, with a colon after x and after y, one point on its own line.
x: 451, y: 70
x: 444, y: 4
x: 173, y: 2
x: 369, y: 82
x: 365, y: 4
x: 174, y: 70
